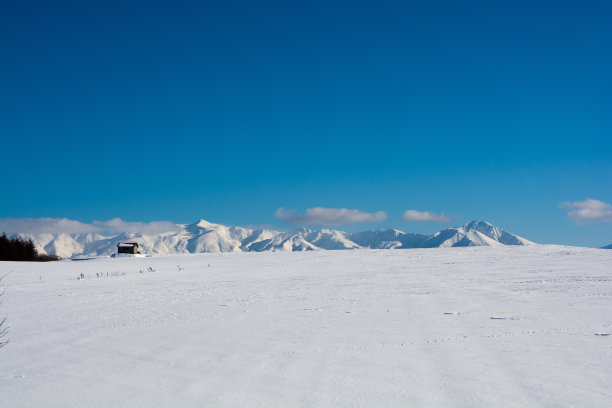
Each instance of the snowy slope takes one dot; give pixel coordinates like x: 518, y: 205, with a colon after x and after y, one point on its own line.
x: 64, y: 246
x: 388, y: 239
x: 204, y: 236
x: 208, y: 237
x: 507, y: 326
x: 474, y: 233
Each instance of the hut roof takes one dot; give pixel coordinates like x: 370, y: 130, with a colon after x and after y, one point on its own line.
x: 127, y: 244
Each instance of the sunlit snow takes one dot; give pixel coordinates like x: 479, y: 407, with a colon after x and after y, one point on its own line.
x: 445, y: 327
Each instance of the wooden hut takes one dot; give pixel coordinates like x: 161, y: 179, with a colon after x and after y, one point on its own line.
x: 127, y: 248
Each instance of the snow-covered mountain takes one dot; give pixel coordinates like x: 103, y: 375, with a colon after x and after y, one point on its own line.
x: 388, y: 239
x: 474, y: 233
x: 204, y: 236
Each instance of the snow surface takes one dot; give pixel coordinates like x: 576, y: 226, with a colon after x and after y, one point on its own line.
x: 446, y: 327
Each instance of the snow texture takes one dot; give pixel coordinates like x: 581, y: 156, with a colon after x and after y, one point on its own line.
x: 204, y: 236
x: 501, y: 326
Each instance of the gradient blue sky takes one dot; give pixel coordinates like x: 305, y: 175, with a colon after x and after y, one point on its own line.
x: 229, y: 110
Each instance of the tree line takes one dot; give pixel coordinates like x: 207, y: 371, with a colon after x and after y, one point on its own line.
x: 18, y: 249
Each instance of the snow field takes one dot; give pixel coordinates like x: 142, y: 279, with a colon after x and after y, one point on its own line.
x: 443, y: 327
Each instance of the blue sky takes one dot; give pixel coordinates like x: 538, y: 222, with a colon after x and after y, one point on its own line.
x: 228, y: 111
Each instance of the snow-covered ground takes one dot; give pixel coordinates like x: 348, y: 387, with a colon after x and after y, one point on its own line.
x: 518, y: 326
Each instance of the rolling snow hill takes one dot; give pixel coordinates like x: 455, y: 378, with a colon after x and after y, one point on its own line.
x: 204, y: 237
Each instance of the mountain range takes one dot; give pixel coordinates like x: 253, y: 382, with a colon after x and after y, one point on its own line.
x: 204, y: 236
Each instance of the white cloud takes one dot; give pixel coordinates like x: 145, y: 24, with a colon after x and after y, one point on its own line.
x: 328, y: 216
x: 419, y: 216
x: 64, y: 225
x: 118, y: 225
x: 588, y: 210
x: 44, y: 225
x: 284, y: 213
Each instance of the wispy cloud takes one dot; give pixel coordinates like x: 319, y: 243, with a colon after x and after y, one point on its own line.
x: 44, y: 226
x: 588, y: 210
x: 420, y: 216
x: 64, y: 225
x: 118, y: 225
x: 328, y: 216
x: 284, y: 213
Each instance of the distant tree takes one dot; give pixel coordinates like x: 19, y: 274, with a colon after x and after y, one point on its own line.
x: 4, y: 247
x: 17, y: 249
x: 30, y: 250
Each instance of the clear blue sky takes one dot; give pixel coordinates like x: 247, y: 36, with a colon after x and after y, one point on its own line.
x: 229, y: 110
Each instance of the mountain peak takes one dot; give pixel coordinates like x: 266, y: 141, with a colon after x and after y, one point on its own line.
x: 478, y: 224
x: 474, y: 233
x: 202, y: 223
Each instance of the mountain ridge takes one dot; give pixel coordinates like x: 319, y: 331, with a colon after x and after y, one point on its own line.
x: 203, y: 237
